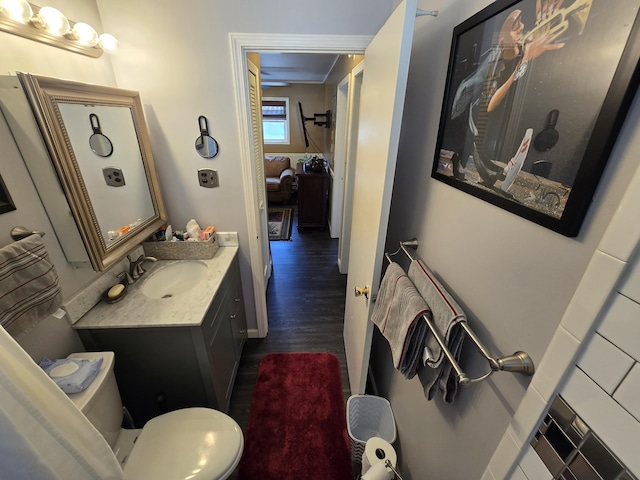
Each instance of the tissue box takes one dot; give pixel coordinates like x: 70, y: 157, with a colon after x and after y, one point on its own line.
x: 182, y: 250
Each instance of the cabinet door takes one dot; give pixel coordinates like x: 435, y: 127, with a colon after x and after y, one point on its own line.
x: 239, y: 329
x: 237, y: 318
x: 156, y: 369
x: 222, y: 361
x: 312, y: 198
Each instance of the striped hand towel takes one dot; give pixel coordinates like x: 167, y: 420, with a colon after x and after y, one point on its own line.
x: 29, y: 286
x: 398, y: 314
x: 446, y: 315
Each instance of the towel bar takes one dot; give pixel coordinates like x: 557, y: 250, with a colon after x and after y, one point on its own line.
x: 18, y: 233
x: 519, y: 362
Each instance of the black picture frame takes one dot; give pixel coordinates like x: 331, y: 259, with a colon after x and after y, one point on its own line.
x: 539, y: 149
x: 6, y: 204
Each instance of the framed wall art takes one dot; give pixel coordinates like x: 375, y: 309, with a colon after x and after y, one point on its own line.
x: 6, y: 204
x: 536, y: 93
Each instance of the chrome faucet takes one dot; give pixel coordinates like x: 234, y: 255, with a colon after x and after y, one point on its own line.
x: 126, y: 277
x: 136, y: 266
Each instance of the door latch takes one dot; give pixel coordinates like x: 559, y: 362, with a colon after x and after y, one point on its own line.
x: 360, y: 291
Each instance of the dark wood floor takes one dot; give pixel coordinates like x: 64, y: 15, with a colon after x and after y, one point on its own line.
x: 305, y: 304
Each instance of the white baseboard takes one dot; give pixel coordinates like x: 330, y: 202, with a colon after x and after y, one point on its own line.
x: 253, y: 333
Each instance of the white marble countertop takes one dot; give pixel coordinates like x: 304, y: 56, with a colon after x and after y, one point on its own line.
x: 136, y: 310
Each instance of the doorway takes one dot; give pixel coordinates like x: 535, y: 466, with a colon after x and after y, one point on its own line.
x: 241, y: 44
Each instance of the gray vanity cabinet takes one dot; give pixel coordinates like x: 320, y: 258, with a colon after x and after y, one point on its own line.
x: 219, y: 343
x: 164, y: 368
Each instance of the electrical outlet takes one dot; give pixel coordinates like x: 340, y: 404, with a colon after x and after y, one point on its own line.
x: 208, y: 177
x: 113, y: 176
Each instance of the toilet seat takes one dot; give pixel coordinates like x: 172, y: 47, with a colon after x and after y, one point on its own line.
x: 192, y: 443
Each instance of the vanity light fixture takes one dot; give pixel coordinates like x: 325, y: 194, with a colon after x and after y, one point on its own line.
x: 17, y: 10
x: 50, y: 26
x: 108, y: 42
x: 52, y: 20
x: 85, y: 34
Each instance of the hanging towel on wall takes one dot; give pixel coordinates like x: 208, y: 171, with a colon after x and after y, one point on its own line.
x: 398, y: 314
x: 446, y: 315
x: 29, y: 287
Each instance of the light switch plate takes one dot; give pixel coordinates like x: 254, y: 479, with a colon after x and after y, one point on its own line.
x: 113, y: 176
x: 208, y: 177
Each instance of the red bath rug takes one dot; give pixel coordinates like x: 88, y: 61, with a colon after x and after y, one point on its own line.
x: 297, y: 427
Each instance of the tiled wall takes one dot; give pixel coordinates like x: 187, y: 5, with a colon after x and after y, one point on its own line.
x: 575, y: 331
x: 604, y: 385
x: 592, y: 360
x: 604, y: 388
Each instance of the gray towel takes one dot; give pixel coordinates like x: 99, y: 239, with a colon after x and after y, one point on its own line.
x: 29, y: 288
x: 443, y: 377
x: 446, y: 315
x: 398, y: 314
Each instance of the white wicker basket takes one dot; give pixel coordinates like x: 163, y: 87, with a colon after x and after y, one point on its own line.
x: 368, y: 416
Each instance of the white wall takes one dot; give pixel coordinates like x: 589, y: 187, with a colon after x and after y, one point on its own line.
x: 22, y: 55
x: 513, y: 278
x: 19, y: 54
x: 52, y: 337
x: 177, y: 54
x: 601, y: 385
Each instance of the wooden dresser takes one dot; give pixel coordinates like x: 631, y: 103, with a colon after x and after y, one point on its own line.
x: 313, y: 194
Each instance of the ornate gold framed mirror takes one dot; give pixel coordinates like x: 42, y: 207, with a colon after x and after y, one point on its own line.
x: 114, y: 198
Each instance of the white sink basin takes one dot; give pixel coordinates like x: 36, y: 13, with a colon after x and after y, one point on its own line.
x: 174, y: 278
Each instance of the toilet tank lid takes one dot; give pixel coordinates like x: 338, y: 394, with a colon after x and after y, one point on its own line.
x: 84, y: 399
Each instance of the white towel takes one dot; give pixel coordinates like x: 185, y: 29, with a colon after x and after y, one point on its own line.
x: 446, y: 315
x: 398, y: 314
x: 29, y: 287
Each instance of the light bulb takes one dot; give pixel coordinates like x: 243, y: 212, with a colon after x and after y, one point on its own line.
x: 53, y: 21
x: 18, y: 10
x: 85, y: 34
x: 109, y: 43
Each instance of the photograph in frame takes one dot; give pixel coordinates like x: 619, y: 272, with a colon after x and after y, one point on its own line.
x: 536, y: 93
x: 6, y: 203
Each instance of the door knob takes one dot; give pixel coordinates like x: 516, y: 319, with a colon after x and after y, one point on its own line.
x: 362, y: 291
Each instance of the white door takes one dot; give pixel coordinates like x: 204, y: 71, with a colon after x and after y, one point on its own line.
x: 342, y: 122
x: 255, y: 100
x: 350, y: 166
x: 386, y: 66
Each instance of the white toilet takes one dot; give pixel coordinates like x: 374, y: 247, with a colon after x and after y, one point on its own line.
x: 192, y: 443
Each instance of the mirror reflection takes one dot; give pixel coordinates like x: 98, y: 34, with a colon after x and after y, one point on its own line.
x: 206, y: 145
x: 114, y: 209
x: 99, y: 143
x: 112, y: 215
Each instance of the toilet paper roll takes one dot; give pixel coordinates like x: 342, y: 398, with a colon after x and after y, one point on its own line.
x: 376, y: 450
x: 377, y: 472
